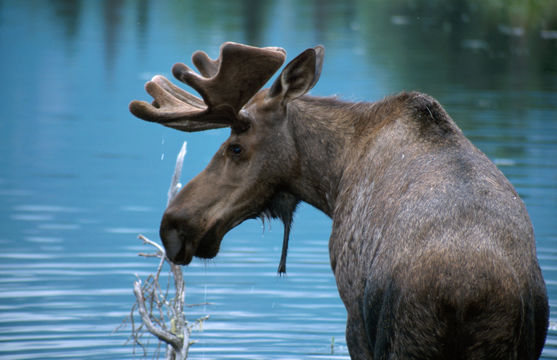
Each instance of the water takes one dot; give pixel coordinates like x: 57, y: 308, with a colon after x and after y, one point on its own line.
x: 80, y: 177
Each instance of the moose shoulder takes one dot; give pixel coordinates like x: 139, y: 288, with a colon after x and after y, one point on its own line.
x: 432, y: 249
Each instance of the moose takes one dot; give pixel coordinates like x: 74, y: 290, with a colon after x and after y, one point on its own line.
x: 432, y: 249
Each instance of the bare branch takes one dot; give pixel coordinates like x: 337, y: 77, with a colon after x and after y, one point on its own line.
x: 162, y: 335
x: 153, y: 304
x: 175, y: 185
x: 152, y: 243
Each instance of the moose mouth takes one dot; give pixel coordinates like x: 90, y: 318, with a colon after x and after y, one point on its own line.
x: 182, y: 245
x: 181, y: 249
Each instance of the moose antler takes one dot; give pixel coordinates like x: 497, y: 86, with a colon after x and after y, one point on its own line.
x: 226, y: 85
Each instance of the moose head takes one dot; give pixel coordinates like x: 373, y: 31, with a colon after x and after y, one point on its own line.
x: 248, y: 176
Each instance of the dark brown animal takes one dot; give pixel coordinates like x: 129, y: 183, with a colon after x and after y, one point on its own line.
x: 432, y: 249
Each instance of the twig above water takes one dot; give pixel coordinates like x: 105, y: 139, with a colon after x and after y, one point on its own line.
x: 154, y: 306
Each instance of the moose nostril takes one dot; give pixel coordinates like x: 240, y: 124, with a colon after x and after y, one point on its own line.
x: 172, y: 243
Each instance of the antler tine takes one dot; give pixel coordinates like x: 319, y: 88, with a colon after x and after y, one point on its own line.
x: 172, y: 107
x: 165, y: 106
x: 206, y: 66
x: 178, y: 92
x: 226, y: 85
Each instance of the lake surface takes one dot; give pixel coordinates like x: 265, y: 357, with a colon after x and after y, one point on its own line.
x: 80, y: 177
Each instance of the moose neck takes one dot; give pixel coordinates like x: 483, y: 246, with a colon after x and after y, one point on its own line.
x: 321, y: 128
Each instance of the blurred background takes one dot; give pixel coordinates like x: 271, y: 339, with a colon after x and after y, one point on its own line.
x: 80, y: 177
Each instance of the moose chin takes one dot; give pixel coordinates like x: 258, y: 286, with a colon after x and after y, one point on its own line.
x: 432, y: 249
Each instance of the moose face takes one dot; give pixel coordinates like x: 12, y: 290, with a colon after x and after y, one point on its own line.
x: 238, y: 184
x: 252, y: 165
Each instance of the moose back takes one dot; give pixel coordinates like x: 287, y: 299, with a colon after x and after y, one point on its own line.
x: 432, y: 249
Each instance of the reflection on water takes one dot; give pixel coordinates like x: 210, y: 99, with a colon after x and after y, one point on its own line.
x: 81, y: 177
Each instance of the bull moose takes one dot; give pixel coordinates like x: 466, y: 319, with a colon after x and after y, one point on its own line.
x: 432, y: 249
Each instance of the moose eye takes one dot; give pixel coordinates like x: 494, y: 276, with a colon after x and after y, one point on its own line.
x: 235, y: 149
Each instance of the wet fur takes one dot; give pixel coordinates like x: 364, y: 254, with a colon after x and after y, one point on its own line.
x: 282, y: 206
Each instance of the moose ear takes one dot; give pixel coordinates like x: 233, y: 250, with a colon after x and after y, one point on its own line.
x: 299, y: 76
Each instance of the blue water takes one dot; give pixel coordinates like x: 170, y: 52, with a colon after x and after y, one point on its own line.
x: 80, y: 177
